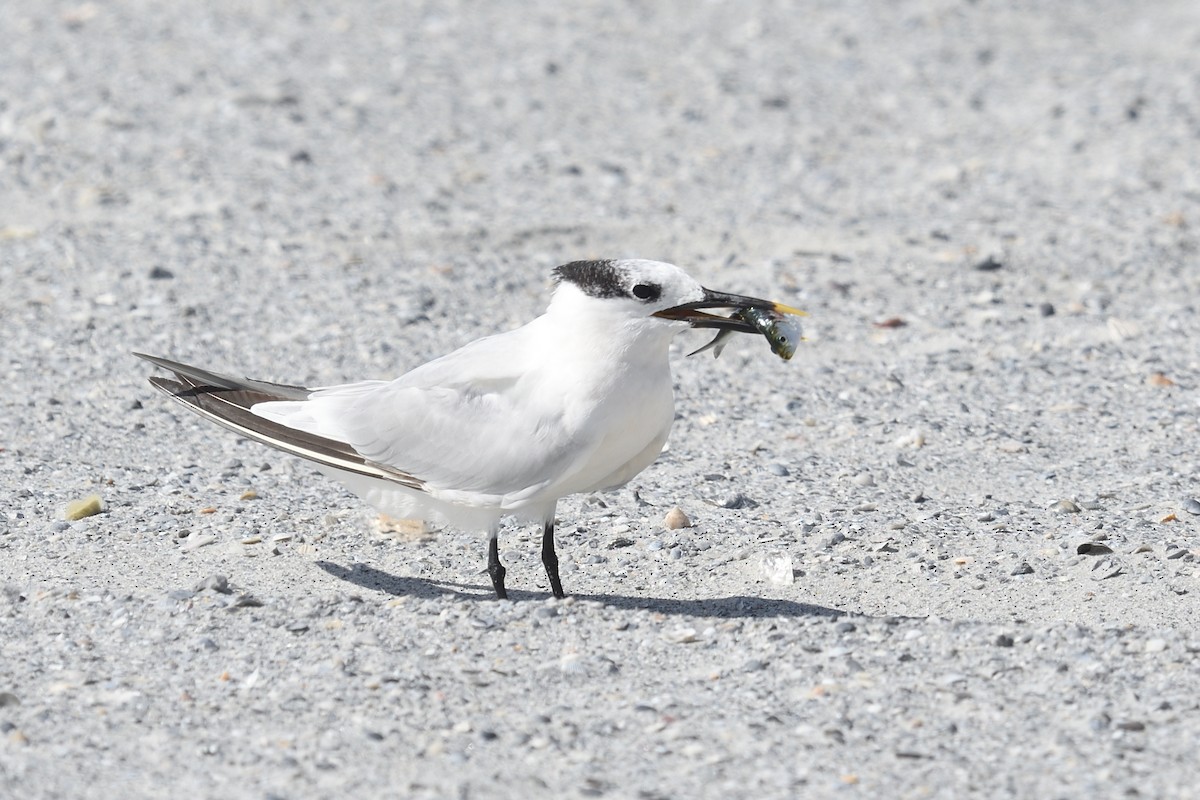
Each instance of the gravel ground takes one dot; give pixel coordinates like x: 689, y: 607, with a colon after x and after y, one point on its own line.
x: 948, y: 550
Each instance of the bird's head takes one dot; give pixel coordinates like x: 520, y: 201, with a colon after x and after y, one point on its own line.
x: 658, y: 294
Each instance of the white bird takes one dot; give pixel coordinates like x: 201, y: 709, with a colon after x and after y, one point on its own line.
x: 578, y: 400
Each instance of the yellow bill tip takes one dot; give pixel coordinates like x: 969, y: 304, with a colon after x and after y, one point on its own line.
x: 795, y: 312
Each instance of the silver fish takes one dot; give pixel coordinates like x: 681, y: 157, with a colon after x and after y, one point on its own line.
x: 782, y: 331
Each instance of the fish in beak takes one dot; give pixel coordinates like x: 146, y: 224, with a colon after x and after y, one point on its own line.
x: 775, y: 321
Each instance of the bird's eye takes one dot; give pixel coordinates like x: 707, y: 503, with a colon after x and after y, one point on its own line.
x: 647, y: 291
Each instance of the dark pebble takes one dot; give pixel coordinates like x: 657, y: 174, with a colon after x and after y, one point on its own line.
x: 845, y: 627
x: 989, y: 264
x: 620, y: 541
x: 1046, y: 309
x: 1023, y: 569
x: 161, y: 274
x: 737, y: 500
x: 9, y: 699
x: 216, y: 582
x: 835, y: 539
x: 1093, y: 549
x: 245, y: 601
x: 1004, y: 640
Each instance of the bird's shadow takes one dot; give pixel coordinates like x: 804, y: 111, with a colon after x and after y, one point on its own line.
x: 733, y: 607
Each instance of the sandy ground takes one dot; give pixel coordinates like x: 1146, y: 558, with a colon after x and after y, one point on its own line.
x: 949, y: 550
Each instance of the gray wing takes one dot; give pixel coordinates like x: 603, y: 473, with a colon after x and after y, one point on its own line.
x: 477, y: 421
x: 227, y: 401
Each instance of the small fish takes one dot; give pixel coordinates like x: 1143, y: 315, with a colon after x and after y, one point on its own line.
x: 781, y: 330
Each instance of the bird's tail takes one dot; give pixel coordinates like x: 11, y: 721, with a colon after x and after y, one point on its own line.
x: 229, y: 402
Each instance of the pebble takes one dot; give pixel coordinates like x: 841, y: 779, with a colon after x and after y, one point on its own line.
x: 216, y: 582
x: 781, y: 471
x: 1192, y: 506
x: 1065, y: 507
x: 196, y: 542
x: 1155, y: 645
x: 85, y: 507
x: 1004, y: 640
x: 737, y: 500
x: 778, y: 569
x: 676, y: 519
x: 1023, y: 569
x: 682, y: 636
x: 835, y: 538
x: 1093, y: 549
x: 245, y: 600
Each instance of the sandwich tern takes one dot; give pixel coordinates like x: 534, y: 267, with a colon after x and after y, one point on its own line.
x: 578, y: 400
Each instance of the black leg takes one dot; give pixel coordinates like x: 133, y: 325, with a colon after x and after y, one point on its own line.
x: 550, y: 559
x: 496, y: 569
